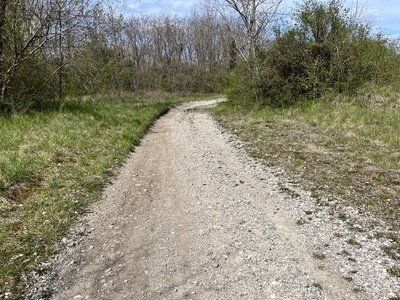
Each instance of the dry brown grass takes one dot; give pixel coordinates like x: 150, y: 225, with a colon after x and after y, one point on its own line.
x: 342, y: 151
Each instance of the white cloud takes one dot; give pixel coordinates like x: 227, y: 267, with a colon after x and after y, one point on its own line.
x: 132, y: 6
x: 384, y: 15
x: 156, y: 7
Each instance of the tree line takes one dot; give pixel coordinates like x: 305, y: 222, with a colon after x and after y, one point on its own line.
x: 52, y: 49
x: 322, y: 47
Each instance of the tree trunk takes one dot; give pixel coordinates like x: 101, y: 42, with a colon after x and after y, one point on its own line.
x: 3, y: 6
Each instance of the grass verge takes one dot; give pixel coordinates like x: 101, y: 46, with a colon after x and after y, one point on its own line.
x: 345, y: 152
x: 53, y: 165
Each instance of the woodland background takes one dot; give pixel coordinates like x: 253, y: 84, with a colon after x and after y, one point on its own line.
x: 57, y: 49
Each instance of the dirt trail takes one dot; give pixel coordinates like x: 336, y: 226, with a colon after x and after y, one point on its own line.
x: 191, y: 217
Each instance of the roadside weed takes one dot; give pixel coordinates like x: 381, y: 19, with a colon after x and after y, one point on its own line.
x: 341, y: 147
x: 53, y: 165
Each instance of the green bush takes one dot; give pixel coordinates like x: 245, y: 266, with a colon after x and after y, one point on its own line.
x: 327, y: 49
x: 238, y: 84
x: 31, y: 86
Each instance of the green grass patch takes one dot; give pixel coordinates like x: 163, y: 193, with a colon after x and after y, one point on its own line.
x: 340, y: 147
x: 395, y: 271
x: 53, y: 165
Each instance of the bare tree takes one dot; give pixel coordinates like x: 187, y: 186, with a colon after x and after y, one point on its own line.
x: 27, y: 28
x: 251, y: 17
x: 3, y: 7
x: 207, y: 48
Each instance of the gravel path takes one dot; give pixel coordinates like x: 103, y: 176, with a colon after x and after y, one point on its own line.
x: 192, y: 217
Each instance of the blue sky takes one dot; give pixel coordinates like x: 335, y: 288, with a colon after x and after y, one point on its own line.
x: 384, y: 13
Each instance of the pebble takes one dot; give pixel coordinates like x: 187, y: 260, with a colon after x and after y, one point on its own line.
x: 264, y: 252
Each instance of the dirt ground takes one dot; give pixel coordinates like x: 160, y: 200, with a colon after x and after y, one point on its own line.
x: 190, y: 216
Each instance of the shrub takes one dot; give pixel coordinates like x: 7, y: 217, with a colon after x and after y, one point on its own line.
x: 327, y: 49
x: 31, y: 86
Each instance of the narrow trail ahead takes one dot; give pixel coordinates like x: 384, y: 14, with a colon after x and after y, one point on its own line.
x: 191, y: 217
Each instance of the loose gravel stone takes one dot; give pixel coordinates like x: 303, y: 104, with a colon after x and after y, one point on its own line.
x: 191, y: 216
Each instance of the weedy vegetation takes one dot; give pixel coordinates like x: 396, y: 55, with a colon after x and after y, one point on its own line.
x: 55, y: 163
x: 395, y: 271
x: 345, y: 151
x: 323, y: 101
x: 317, y: 95
x: 332, y: 123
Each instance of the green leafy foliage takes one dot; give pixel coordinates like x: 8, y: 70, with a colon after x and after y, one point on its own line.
x: 327, y: 49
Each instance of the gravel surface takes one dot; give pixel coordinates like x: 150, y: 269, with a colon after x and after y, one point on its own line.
x: 192, y: 217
